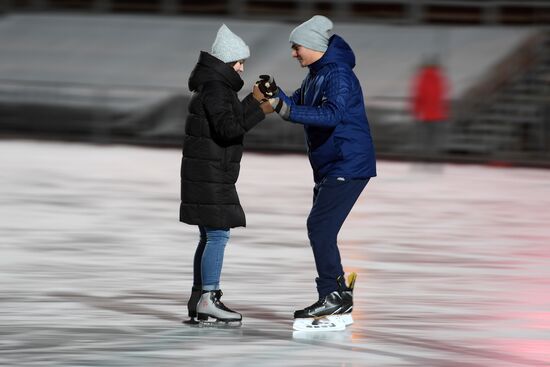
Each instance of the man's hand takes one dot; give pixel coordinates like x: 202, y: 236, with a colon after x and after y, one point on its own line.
x: 280, y: 107
x: 267, y: 86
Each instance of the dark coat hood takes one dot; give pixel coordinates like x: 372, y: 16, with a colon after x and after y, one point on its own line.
x: 210, y: 68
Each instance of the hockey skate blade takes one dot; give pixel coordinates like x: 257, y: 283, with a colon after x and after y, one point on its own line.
x: 347, y: 319
x: 318, y: 324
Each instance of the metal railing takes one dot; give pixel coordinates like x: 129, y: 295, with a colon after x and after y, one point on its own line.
x: 398, y: 11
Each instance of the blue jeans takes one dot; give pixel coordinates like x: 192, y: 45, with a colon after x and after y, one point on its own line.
x: 333, y: 199
x: 208, y: 261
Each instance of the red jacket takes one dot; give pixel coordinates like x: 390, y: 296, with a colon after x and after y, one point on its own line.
x: 429, y: 95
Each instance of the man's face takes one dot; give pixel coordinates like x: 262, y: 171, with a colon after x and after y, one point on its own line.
x: 305, y: 56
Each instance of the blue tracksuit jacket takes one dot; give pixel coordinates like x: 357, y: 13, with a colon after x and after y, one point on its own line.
x: 330, y: 105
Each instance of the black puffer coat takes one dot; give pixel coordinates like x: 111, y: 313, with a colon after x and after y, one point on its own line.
x: 213, y: 145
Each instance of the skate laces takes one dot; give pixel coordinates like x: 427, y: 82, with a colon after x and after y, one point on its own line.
x: 320, y: 302
x: 217, y: 295
x: 220, y: 304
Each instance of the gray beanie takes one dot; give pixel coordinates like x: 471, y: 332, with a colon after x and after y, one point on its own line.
x: 229, y: 47
x: 313, y: 34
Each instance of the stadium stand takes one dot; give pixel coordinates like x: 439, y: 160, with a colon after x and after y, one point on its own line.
x: 124, y: 78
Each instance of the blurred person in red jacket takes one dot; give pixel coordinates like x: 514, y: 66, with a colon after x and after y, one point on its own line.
x: 430, y: 104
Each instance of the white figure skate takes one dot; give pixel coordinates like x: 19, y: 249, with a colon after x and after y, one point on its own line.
x: 212, y: 312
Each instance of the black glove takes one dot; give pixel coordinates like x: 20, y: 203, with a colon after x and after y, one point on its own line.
x: 267, y: 86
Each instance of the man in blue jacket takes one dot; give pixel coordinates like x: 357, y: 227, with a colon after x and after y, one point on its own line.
x: 331, y: 107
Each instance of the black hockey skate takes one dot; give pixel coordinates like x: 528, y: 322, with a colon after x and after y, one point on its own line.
x: 347, y: 296
x: 192, y: 305
x: 210, y: 307
x: 332, y: 312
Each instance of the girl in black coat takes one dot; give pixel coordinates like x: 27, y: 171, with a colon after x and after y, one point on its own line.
x: 212, y: 151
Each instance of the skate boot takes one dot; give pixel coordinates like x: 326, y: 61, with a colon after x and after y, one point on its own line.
x: 332, y: 312
x: 210, y: 306
x: 347, y: 296
x: 192, y: 305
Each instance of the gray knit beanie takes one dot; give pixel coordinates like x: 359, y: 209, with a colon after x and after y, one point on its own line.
x: 313, y: 34
x: 229, y: 47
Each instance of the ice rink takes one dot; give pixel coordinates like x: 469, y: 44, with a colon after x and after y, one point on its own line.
x: 453, y: 264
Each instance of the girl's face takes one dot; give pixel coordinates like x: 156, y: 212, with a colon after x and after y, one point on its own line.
x: 239, y: 66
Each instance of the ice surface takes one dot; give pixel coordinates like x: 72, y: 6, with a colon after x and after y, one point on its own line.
x: 95, y: 269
